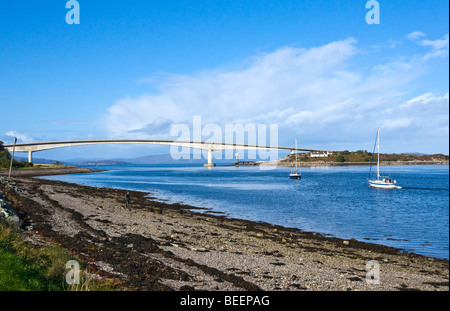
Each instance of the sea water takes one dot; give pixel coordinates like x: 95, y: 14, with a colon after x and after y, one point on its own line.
x: 333, y: 201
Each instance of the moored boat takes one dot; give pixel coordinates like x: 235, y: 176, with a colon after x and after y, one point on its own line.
x: 382, y: 182
x: 295, y: 174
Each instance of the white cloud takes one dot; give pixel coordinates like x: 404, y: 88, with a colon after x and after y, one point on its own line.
x: 423, y: 119
x: 313, y: 94
x: 397, y: 123
x: 274, y: 80
x: 21, y: 137
x: 439, y: 47
x: 415, y: 35
x: 427, y: 99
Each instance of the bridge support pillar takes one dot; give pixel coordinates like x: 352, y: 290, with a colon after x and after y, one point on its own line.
x: 30, y: 156
x: 209, y: 164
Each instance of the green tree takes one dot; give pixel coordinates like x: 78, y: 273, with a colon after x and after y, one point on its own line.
x: 340, y: 158
x: 5, y: 159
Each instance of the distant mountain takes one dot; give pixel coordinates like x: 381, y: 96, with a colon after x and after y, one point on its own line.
x: 155, y: 159
x: 161, y: 159
x: 150, y: 159
x: 43, y: 161
x: 105, y: 162
x: 167, y: 159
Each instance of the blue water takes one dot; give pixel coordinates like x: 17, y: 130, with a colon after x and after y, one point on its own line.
x: 334, y: 201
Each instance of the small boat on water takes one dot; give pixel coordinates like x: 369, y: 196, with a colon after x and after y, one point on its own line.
x: 382, y: 182
x: 295, y: 174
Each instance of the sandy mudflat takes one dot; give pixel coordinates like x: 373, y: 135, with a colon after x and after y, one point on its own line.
x: 158, y: 246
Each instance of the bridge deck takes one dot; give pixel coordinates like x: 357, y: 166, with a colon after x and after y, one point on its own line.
x: 203, y: 145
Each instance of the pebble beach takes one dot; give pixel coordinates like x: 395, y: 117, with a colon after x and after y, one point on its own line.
x: 158, y: 246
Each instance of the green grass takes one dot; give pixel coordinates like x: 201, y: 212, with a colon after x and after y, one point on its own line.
x: 20, y: 274
x: 24, y: 267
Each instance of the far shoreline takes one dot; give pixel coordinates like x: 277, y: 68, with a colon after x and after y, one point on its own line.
x: 50, y: 171
x: 325, y: 163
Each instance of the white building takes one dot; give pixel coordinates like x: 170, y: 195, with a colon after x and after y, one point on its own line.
x: 320, y: 154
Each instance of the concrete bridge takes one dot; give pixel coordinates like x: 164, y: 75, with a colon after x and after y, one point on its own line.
x: 209, y: 146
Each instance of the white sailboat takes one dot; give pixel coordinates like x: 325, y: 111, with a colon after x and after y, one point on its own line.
x: 383, y: 182
x: 295, y: 174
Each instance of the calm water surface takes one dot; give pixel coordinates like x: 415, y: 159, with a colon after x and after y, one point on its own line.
x: 334, y: 201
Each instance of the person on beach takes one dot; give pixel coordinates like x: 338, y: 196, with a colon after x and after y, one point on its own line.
x: 127, y: 200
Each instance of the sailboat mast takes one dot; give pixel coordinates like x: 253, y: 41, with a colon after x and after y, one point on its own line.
x: 296, y: 155
x: 378, y: 147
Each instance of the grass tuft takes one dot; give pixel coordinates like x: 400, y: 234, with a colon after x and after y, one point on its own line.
x: 25, y: 267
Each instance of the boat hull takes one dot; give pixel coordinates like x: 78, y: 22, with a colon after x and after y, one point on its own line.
x: 295, y: 176
x: 382, y: 185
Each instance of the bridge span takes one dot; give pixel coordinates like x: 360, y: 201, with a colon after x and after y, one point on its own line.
x: 208, y: 146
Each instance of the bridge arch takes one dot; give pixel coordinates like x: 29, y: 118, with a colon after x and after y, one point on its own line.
x: 209, y: 146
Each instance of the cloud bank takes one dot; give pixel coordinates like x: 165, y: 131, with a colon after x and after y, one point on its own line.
x: 317, y: 94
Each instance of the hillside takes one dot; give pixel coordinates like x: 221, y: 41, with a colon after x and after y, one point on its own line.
x: 364, y: 157
x: 5, y: 159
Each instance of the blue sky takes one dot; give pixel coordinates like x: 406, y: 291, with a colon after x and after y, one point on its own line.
x: 132, y: 69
